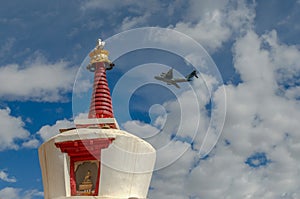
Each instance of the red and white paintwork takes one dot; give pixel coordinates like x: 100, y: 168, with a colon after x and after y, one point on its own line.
x: 83, y: 150
x: 101, y: 104
x: 129, y: 160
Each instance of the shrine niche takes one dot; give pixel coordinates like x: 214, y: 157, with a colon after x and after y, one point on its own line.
x: 85, y: 161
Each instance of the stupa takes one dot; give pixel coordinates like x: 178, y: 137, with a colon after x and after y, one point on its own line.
x: 97, y: 159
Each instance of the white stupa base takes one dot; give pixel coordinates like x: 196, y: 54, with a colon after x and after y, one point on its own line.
x: 125, y: 170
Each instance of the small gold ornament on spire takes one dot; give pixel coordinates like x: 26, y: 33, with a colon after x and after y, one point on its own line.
x: 99, y: 55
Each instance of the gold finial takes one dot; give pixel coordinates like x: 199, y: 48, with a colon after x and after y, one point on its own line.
x: 99, y: 54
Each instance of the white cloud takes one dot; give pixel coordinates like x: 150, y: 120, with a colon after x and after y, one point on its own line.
x: 209, y: 32
x: 103, y: 5
x: 47, y: 131
x: 141, y: 11
x: 258, y: 120
x: 176, y: 123
x: 9, y: 193
x: 140, y: 129
x: 32, y: 143
x: 285, y: 59
x: 36, y: 80
x: 133, y: 22
x: 198, y: 9
x: 212, y: 23
x: 12, y: 130
x: 132, y: 5
x: 32, y: 193
x: 248, y: 53
x: 4, y: 176
x: 16, y: 193
x: 13, y: 134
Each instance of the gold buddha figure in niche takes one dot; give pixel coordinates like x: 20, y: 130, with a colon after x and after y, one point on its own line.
x: 87, y: 184
x: 87, y: 178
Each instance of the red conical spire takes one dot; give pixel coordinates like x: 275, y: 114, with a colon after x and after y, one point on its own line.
x: 101, y: 105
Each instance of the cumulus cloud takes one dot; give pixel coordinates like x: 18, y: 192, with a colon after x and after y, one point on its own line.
x: 48, y: 131
x: 16, y: 193
x: 285, y: 59
x: 13, y: 134
x: 209, y: 32
x: 259, y: 121
x: 103, y: 5
x: 133, y: 22
x: 180, y: 122
x: 142, y: 11
x: 212, y: 23
x: 5, y: 177
x: 209, y: 22
x: 12, y: 130
x: 37, y: 80
x: 140, y: 129
x: 9, y: 193
x: 32, y: 143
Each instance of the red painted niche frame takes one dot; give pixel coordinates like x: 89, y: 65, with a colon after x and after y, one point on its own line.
x: 84, y: 150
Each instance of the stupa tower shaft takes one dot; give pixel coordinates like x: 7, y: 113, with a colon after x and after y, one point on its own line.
x: 101, y: 104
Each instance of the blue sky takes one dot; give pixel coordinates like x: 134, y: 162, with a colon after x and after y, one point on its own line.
x: 254, y: 44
